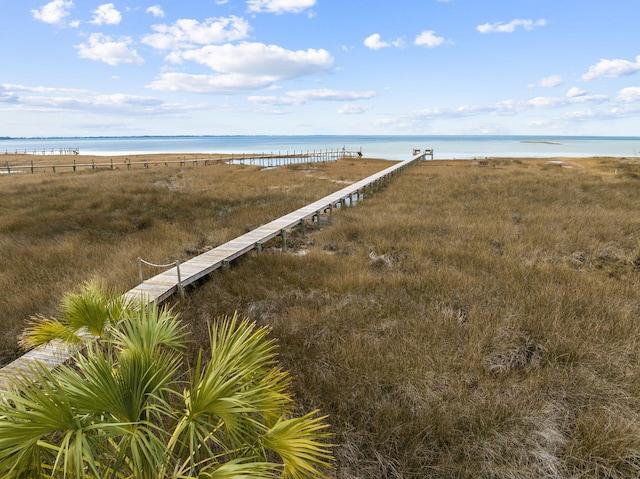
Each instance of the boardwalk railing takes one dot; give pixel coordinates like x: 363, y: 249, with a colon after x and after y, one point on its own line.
x: 162, y: 286
x: 308, y: 156
x: 263, y: 159
x: 11, y: 168
x: 45, y: 151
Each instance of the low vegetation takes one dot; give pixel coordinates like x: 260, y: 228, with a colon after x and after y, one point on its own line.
x: 473, y: 319
x: 58, y: 230
x: 123, y: 408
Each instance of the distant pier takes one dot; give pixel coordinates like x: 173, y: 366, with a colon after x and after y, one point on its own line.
x: 94, y: 163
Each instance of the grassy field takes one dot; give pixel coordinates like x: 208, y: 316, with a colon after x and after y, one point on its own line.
x: 58, y: 230
x: 472, y: 319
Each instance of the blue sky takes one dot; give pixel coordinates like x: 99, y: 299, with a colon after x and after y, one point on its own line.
x: 226, y: 67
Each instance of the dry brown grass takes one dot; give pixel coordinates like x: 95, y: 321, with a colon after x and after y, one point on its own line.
x: 473, y: 319
x: 59, y: 230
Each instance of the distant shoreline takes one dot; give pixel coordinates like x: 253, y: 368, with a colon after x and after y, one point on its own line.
x: 543, y: 142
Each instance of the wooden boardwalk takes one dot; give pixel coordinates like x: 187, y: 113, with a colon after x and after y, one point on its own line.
x: 164, y: 285
x: 264, y: 159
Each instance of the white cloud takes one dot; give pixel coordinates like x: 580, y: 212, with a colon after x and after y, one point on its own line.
x: 113, y: 52
x: 272, y: 100
x: 629, y: 95
x: 548, y: 102
x: 574, y: 96
x: 612, y: 69
x: 242, y: 68
x: 214, y: 84
x: 575, y: 92
x: 41, y: 89
x: 156, y: 11
x: 106, y: 14
x: 53, y: 12
x: 507, y: 107
x: 8, y: 95
x: 304, y: 96
x: 49, y: 99
x: 577, y: 116
x: 428, y: 39
x: 299, y: 97
x: 375, y: 43
x: 351, y: 109
x: 259, y: 59
x: 279, y: 6
x: 549, y: 82
x: 511, y: 26
x: 502, y: 108
x: 187, y: 33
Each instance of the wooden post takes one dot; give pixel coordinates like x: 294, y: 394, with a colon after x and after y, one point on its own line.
x: 74, y: 166
x: 32, y: 171
x: 303, y: 227
x: 283, y: 234
x: 140, y: 269
x: 180, y: 287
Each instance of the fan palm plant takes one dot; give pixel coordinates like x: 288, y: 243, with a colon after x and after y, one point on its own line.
x: 89, y: 314
x: 124, y: 410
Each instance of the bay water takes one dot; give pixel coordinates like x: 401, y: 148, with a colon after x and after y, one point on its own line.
x: 392, y: 147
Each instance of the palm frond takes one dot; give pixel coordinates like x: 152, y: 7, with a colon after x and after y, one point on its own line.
x: 300, y: 444
x: 94, y: 308
x: 88, y: 314
x: 87, y: 308
x: 240, y: 385
x: 31, y: 420
x: 41, y: 330
x: 240, y: 345
x: 118, y: 411
x: 148, y: 327
x: 241, y: 469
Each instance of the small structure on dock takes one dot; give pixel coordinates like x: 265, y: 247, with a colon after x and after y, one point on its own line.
x: 428, y: 152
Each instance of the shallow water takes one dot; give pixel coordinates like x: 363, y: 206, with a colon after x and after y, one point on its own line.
x: 389, y: 147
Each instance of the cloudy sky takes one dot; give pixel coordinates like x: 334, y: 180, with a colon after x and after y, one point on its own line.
x: 224, y: 67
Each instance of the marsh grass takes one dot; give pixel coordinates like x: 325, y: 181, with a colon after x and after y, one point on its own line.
x: 58, y: 230
x: 470, y: 320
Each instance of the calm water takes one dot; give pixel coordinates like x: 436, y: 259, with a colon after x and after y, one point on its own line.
x: 390, y: 147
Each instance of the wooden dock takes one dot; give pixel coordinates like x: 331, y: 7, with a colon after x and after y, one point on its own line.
x: 165, y: 284
x: 145, y: 161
